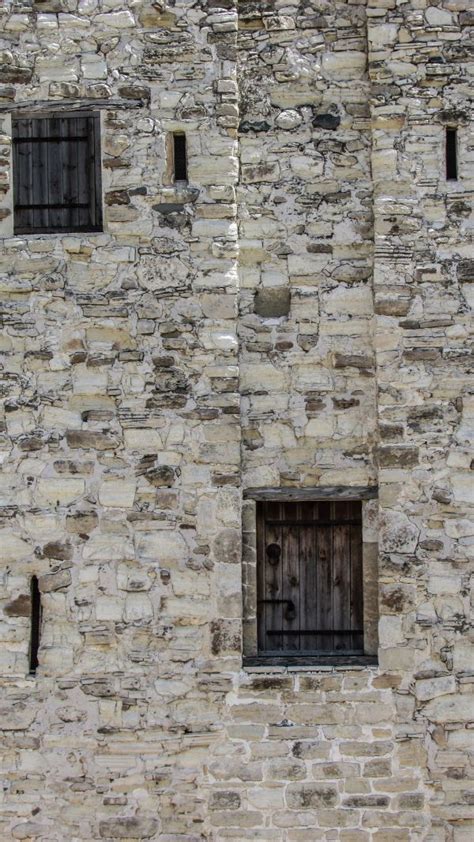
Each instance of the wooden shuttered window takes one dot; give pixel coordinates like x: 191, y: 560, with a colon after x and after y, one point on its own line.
x: 309, y: 578
x: 57, y: 174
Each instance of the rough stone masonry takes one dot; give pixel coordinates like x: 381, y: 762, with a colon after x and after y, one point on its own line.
x: 295, y: 316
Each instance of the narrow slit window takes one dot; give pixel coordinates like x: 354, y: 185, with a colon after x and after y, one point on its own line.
x: 179, y: 158
x: 35, y: 631
x: 451, y: 154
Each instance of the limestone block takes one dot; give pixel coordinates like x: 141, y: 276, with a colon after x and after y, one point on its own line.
x: 396, y: 658
x: 116, y: 20
x: 52, y: 69
x: 354, y: 301
x: 288, y: 119
x: 55, y: 581
x: 148, y: 440
x: 306, y: 167
x: 108, y: 608
x: 17, y: 717
x: 430, y: 688
x: 62, y: 491
x: 93, y: 67
x: 227, y: 546
x: 438, y: 17
x: 459, y: 528
x: 163, y: 547
x: 390, y: 631
x: 382, y: 35
x: 397, y: 532
x: 344, y: 65
x: 463, y: 656
x: 454, y: 708
x: 29, y: 830
x: 463, y: 487
x: 107, y: 548
x: 262, y: 376
x: 89, y: 381
x: 117, y: 493
x: 55, y: 417
x: 132, y: 827
x: 138, y: 607
x: 13, y: 548
x: 448, y: 584
x: 310, y: 796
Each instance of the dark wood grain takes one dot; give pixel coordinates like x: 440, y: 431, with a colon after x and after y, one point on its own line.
x: 57, y: 184
x: 291, y: 577
x: 325, y: 493
x: 310, y: 598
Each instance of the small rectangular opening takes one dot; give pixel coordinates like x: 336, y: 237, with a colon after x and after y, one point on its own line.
x: 179, y: 157
x: 451, y: 154
x: 35, y: 625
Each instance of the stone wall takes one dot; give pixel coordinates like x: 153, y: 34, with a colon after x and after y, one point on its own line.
x: 421, y: 66
x: 220, y: 336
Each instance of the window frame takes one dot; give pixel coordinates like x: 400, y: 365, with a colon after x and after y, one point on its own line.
x: 95, y: 204
x: 252, y: 657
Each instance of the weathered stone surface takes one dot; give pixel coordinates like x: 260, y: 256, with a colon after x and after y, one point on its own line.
x: 90, y: 441
x: 155, y: 370
x: 19, y: 607
x: 310, y: 796
x: 449, y: 709
x: 272, y: 303
x: 128, y: 828
x: 55, y: 581
x: 326, y: 121
x: 17, y: 717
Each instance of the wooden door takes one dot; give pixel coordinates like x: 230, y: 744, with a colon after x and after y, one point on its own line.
x: 309, y: 582
x: 56, y: 173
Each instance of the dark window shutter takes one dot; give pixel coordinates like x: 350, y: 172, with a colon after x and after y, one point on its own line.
x: 309, y: 581
x: 57, y: 174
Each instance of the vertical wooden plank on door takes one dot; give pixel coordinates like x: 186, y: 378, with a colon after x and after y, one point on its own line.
x: 325, y: 642
x: 291, y: 576
x: 55, y: 169
x: 66, y: 127
x: 35, y: 126
x: 83, y: 158
x: 308, y: 577
x: 74, y: 150
x: 41, y: 179
x: 341, y: 575
x: 357, y: 587
x: 273, y: 578
x: 95, y: 176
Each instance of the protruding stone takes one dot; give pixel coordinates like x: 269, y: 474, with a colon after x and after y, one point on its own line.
x: 273, y: 302
x: 128, y: 828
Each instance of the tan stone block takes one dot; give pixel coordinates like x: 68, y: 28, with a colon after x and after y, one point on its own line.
x: 162, y: 546
x: 344, y: 65
x: 449, y: 709
x: 267, y: 798
x: 309, y: 795
x: 13, y: 548
x: 55, y: 491
x: 117, y: 493
x: 108, y: 608
x: 430, y: 688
